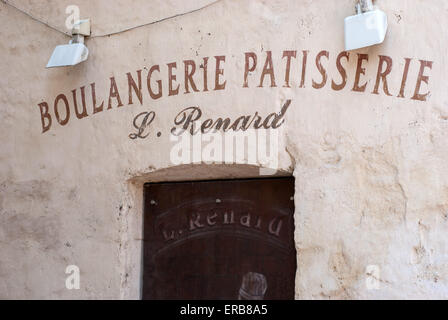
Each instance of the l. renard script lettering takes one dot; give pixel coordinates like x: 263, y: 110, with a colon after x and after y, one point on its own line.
x: 202, y: 222
x: 190, y: 120
x: 143, y: 88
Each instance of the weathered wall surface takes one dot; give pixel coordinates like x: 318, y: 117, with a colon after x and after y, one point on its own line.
x: 371, y: 169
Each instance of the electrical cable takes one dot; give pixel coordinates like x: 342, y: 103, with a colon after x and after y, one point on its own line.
x: 111, y: 33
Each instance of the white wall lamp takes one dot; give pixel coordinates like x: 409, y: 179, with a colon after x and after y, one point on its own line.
x: 367, y: 28
x: 74, y: 52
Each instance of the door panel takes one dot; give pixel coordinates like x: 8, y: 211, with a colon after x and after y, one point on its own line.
x: 229, y: 239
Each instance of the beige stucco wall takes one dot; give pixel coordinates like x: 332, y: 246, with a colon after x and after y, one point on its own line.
x: 371, y: 170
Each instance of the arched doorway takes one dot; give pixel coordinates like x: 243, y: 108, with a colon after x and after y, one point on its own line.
x: 219, y: 239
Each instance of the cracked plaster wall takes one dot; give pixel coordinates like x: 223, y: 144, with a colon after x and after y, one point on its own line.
x: 371, y: 170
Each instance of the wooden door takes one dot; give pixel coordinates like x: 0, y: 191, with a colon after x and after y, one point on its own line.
x: 228, y: 239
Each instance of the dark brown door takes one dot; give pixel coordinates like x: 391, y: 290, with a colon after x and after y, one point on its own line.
x: 229, y: 239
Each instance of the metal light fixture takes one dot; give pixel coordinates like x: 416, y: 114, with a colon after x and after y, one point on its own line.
x: 74, y: 52
x: 367, y: 28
